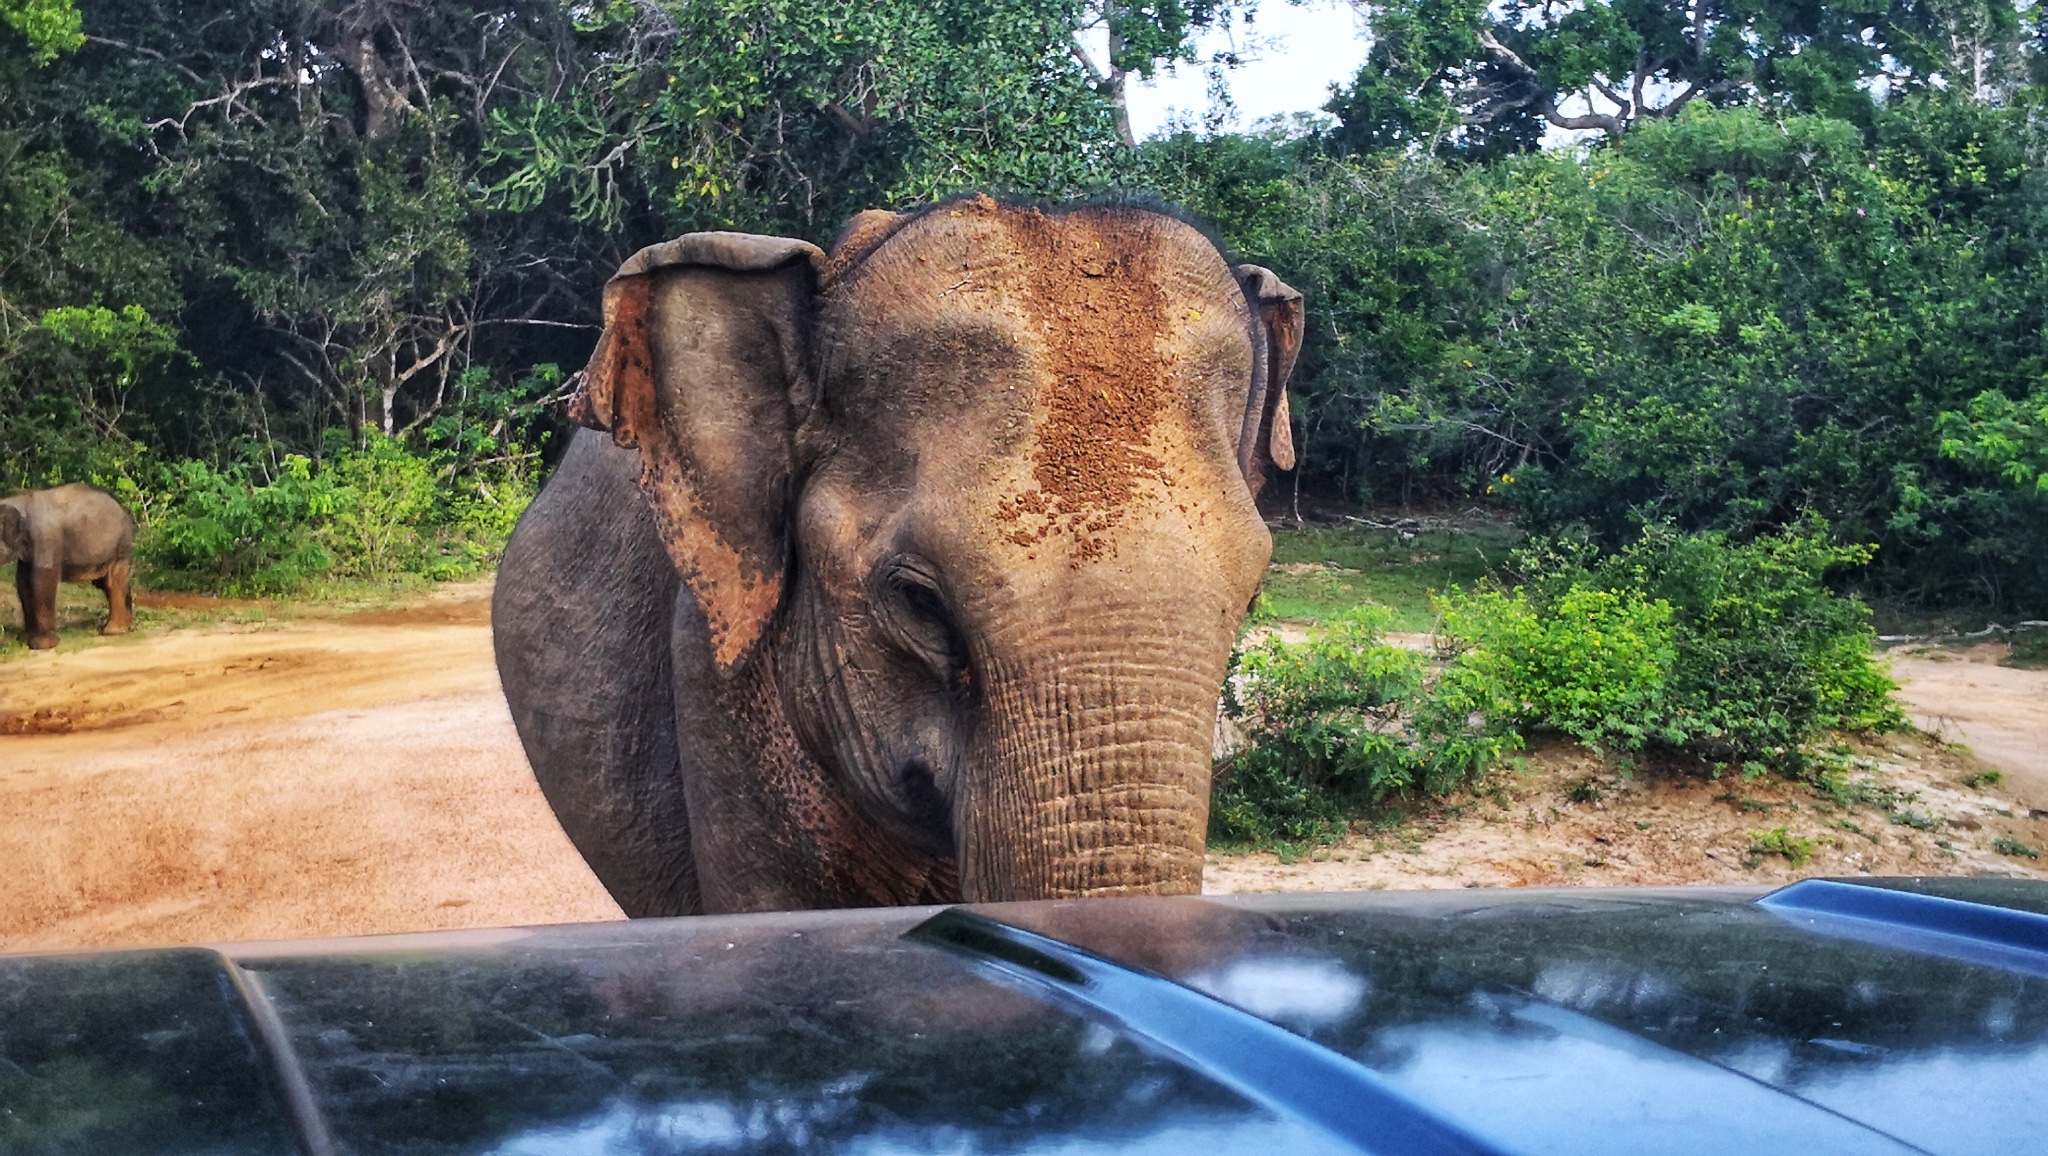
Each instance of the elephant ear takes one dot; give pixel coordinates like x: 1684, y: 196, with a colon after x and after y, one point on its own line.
x: 13, y: 534
x: 1267, y: 438
x: 703, y: 367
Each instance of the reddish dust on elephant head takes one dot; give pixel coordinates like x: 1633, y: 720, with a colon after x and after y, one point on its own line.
x: 1094, y: 296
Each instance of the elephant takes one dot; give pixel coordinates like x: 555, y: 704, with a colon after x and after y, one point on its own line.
x: 904, y: 573
x: 73, y: 533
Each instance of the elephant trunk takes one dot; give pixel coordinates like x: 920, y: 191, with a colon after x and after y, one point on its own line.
x: 1090, y: 775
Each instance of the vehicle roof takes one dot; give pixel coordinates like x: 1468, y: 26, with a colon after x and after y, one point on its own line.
x: 1901, y: 1015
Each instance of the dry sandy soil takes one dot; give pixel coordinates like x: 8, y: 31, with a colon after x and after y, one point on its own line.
x: 319, y: 777
x: 1999, y: 712
x: 1913, y: 806
x: 1919, y: 803
x: 359, y: 774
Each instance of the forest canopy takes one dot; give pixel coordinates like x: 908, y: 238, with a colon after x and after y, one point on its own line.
x: 288, y: 274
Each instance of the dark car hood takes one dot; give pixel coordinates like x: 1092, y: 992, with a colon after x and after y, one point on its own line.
x: 1873, y: 1016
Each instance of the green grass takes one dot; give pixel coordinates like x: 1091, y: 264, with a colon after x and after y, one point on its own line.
x: 82, y: 610
x: 2029, y: 650
x: 1781, y: 841
x: 1362, y: 565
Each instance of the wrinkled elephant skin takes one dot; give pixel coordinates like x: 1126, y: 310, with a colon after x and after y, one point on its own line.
x: 959, y: 530
x: 71, y: 533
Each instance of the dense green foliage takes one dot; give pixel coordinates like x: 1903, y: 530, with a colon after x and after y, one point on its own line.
x: 1728, y: 320
x: 49, y: 26
x: 1801, y: 268
x: 372, y: 513
x: 1727, y: 652
x: 1477, y: 79
x: 2003, y: 434
x: 231, y: 228
x: 805, y: 115
x: 1587, y: 662
x: 1339, y: 722
x: 1685, y: 647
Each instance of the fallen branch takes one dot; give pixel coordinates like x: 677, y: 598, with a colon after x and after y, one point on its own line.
x: 1988, y: 631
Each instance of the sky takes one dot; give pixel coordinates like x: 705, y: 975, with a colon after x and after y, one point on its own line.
x: 1297, y: 53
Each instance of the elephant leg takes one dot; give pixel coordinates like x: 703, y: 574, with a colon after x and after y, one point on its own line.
x: 580, y: 625
x: 120, y: 599
x: 37, y: 586
x: 25, y: 591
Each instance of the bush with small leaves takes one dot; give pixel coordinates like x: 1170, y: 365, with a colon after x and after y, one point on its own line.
x: 1336, y: 724
x: 1728, y: 652
x: 1796, y: 849
x: 378, y: 512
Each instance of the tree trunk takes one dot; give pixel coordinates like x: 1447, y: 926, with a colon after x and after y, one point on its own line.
x: 381, y: 82
x: 1117, y: 82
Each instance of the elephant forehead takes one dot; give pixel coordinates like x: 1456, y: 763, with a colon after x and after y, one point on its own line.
x: 1128, y: 340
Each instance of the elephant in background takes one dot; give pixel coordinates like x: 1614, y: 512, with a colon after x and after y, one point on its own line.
x: 73, y: 533
x: 908, y: 572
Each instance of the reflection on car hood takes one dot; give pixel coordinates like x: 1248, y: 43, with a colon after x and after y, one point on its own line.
x: 1865, y: 1016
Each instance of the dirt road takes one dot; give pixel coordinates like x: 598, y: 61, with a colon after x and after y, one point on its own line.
x: 360, y: 774
x: 326, y: 777
x: 2000, y: 713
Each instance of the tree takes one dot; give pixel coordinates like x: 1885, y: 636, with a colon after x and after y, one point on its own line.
x: 83, y: 300
x: 1481, y: 78
x: 309, y: 168
x: 49, y: 26
x: 1974, y: 48
x: 1725, y: 320
x: 1138, y: 36
x: 2002, y: 436
x: 764, y: 115
x: 379, y: 213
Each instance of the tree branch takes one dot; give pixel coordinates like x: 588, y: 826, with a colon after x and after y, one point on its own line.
x: 859, y: 126
x: 149, y: 52
x: 1544, y: 102
x: 1619, y: 100
x: 1095, y: 76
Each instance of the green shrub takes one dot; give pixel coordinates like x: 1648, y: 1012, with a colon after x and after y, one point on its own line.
x: 388, y: 499
x: 1796, y: 849
x: 1769, y: 656
x: 1722, y: 651
x: 224, y: 530
x: 377, y: 513
x: 1463, y: 725
x: 1323, y: 723
x: 1590, y: 663
x: 1729, y: 652
x: 1336, y: 724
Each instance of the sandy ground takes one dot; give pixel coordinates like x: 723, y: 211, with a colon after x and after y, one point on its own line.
x: 360, y: 774
x: 1999, y: 712
x: 336, y: 777
x: 1565, y: 818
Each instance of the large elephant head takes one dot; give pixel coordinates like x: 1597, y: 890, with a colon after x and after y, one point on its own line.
x: 963, y: 516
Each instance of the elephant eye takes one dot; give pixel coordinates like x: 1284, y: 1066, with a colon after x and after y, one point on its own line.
x: 917, y: 615
x: 924, y: 601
